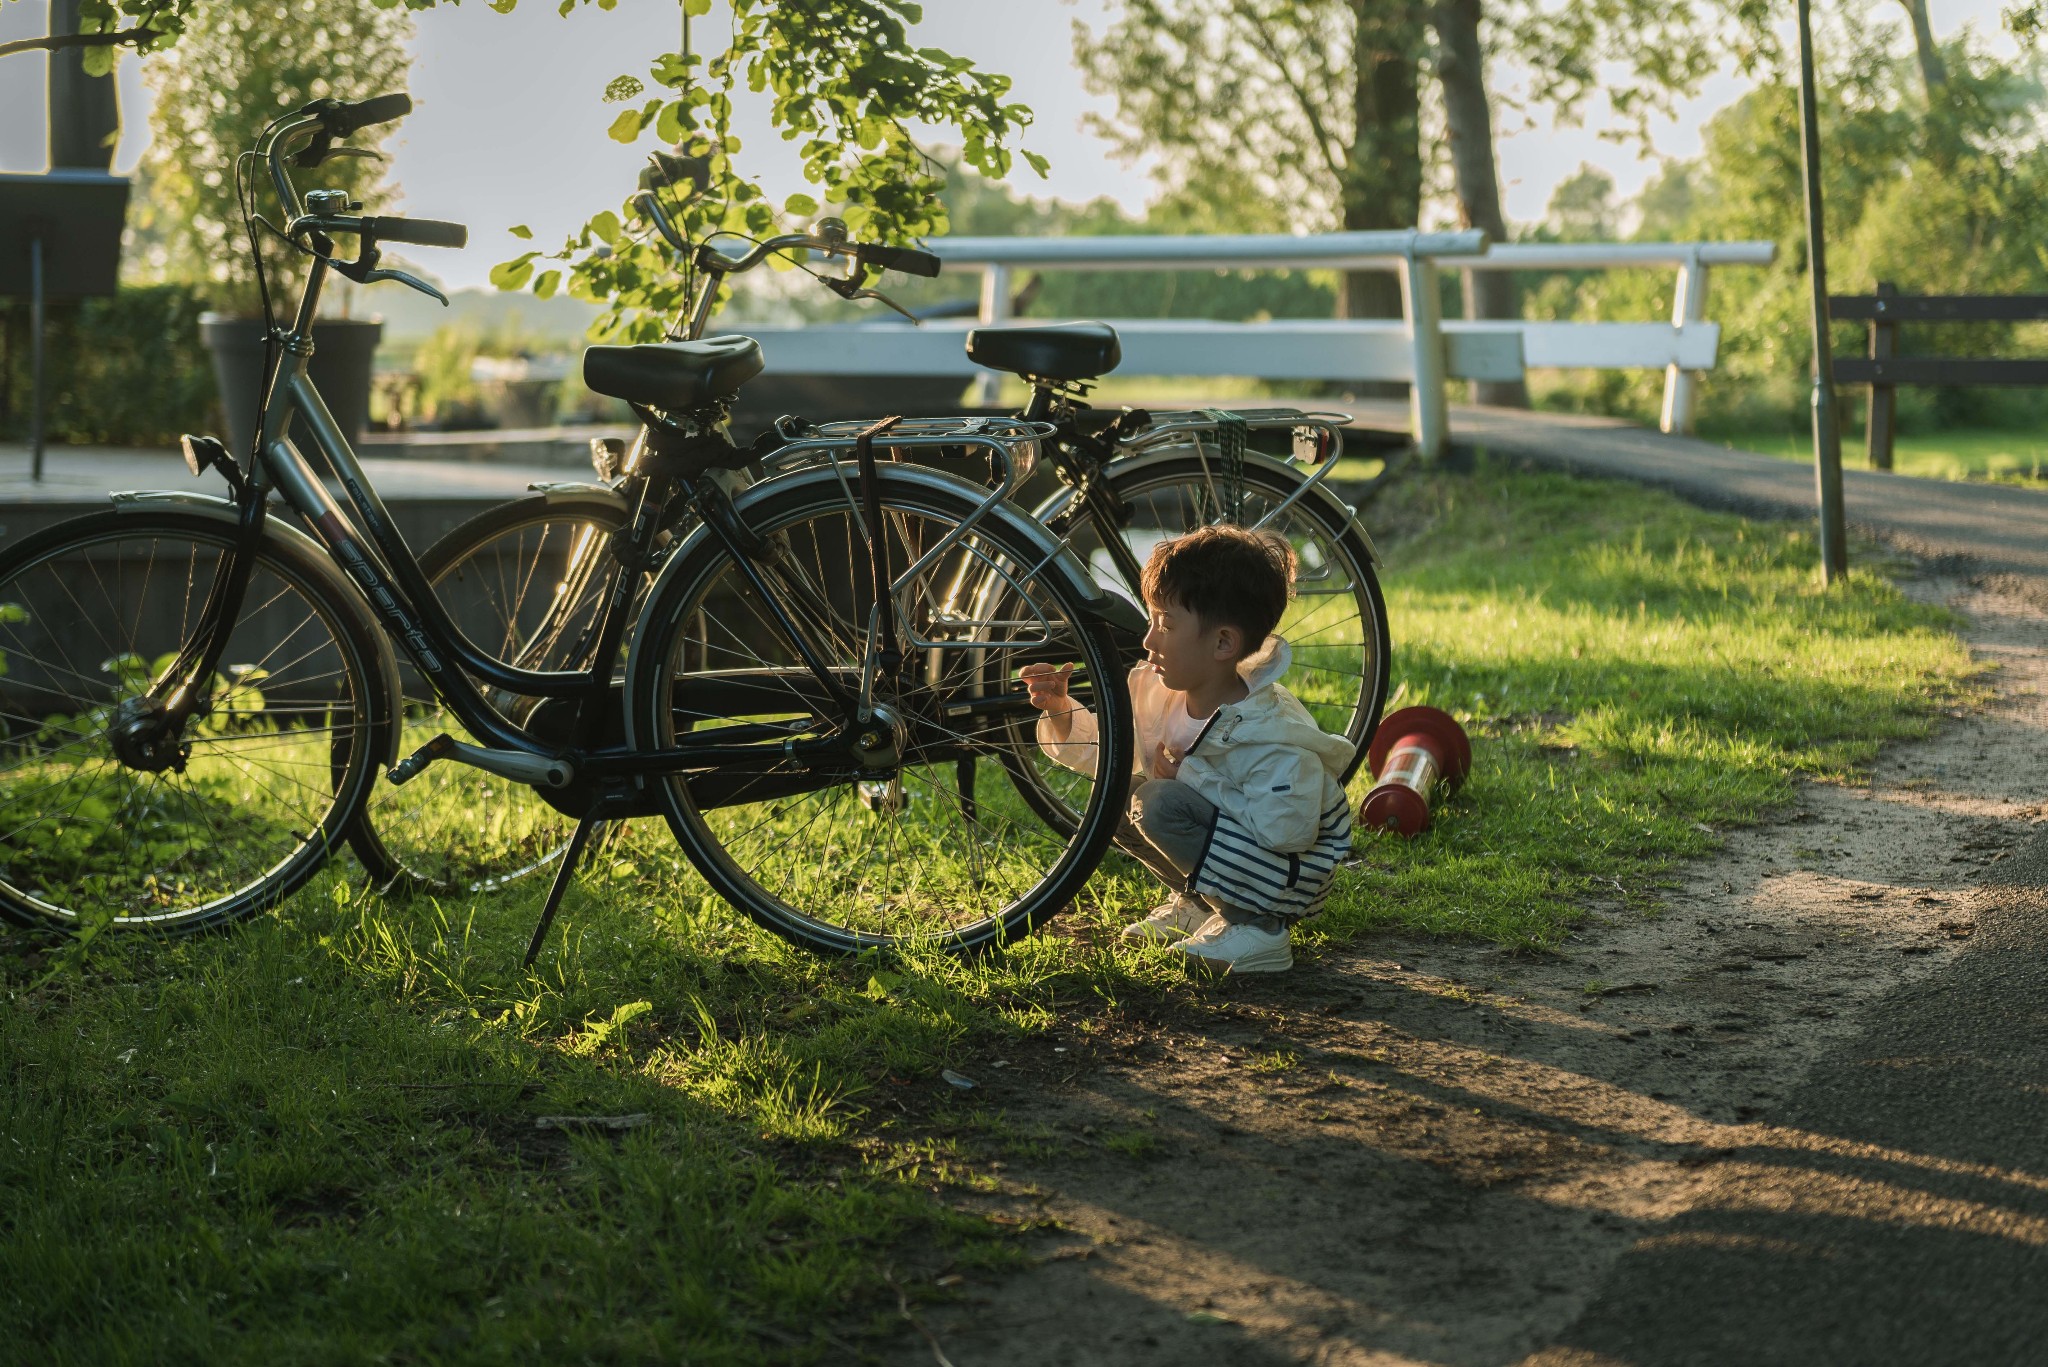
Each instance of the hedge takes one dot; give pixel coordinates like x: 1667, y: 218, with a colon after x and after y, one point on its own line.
x: 125, y: 370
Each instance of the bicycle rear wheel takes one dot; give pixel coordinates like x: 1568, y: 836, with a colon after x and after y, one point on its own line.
x: 932, y: 846
x: 524, y: 581
x: 222, y: 819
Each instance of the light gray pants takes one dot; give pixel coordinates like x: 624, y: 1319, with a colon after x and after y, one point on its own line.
x: 1167, y: 831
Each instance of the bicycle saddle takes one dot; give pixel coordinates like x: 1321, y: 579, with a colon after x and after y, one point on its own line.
x: 673, y: 374
x: 1063, y: 351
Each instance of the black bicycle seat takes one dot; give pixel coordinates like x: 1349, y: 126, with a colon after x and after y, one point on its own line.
x: 1062, y: 351
x: 673, y: 375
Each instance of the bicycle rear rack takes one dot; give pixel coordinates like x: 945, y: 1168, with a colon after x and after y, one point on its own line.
x: 1318, y: 440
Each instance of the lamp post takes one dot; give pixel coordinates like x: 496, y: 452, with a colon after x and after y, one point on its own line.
x: 1827, y: 431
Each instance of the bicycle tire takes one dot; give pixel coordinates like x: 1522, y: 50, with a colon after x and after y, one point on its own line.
x: 270, y: 774
x: 960, y: 865
x: 507, y: 580
x: 1163, y: 490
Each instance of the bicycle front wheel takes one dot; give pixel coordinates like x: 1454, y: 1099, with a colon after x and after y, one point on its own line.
x: 107, y: 816
x: 928, y: 845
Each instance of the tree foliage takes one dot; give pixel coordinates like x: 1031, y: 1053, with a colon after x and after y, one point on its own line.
x: 1250, y: 105
x: 1942, y: 192
x: 844, y: 81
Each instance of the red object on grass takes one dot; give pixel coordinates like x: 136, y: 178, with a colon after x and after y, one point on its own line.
x: 1413, y: 752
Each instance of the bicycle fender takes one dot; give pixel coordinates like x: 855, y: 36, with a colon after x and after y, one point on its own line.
x: 564, y: 491
x: 309, y: 555
x: 1056, y: 502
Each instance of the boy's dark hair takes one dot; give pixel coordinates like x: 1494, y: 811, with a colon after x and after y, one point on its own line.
x: 1225, y: 576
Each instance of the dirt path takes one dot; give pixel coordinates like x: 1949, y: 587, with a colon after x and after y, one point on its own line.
x: 1418, y: 1152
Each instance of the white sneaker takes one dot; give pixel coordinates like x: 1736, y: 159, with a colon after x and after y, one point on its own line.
x: 1222, y: 947
x: 1174, y: 919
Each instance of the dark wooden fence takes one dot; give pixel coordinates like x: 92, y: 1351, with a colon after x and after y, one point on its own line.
x: 1884, y: 370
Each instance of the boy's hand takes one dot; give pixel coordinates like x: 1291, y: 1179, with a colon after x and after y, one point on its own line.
x: 1048, y: 685
x: 1165, y: 764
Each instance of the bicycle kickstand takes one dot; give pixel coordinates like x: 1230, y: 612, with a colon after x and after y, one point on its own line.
x: 560, y: 887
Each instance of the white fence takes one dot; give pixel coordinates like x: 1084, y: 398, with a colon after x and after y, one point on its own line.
x: 1421, y: 349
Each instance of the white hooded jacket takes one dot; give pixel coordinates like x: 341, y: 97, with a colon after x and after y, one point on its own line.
x: 1263, y: 762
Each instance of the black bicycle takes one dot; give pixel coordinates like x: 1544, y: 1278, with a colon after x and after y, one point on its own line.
x: 812, y: 684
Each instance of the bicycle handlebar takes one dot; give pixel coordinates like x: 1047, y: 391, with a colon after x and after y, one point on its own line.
x: 423, y: 232
x: 829, y: 237
x: 909, y: 260
x: 344, y: 119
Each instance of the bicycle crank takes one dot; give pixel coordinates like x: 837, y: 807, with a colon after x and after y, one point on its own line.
x: 536, y: 771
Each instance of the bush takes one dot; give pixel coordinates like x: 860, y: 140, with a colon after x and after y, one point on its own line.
x: 125, y: 370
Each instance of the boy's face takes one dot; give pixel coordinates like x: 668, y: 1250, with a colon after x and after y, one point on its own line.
x: 1186, y: 655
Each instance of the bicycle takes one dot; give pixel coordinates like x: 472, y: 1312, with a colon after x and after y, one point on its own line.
x: 197, y: 696
x: 1127, y: 483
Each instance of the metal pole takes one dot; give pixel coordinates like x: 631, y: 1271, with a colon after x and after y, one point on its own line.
x: 35, y: 327
x: 1827, y: 433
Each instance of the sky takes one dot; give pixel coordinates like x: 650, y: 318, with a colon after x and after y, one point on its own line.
x: 509, y: 128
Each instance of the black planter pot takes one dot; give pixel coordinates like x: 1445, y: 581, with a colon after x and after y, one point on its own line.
x: 343, y: 351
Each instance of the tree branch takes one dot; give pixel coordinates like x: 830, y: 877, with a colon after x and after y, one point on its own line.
x: 1315, y: 120
x: 51, y: 42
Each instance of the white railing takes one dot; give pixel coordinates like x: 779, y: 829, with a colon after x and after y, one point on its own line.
x: 1688, y: 345
x: 1421, y: 348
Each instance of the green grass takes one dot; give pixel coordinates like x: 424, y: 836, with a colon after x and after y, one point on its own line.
x: 314, y: 1139
x: 1634, y: 672
x: 2003, y: 457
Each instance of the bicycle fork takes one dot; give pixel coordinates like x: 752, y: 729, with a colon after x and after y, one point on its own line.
x: 147, y: 731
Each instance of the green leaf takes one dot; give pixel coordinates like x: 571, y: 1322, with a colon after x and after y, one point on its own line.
x: 670, y: 128
x: 513, y: 274
x: 606, y: 228
x: 545, y: 286
x: 522, y: 232
x: 802, y: 206
x: 626, y: 127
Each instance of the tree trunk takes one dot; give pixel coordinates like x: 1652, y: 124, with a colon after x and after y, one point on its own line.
x: 84, y: 114
x: 1381, y: 185
x: 1933, y: 71
x: 1461, y: 71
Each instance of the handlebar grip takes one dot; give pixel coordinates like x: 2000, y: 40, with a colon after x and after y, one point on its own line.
x: 347, y: 118
x: 424, y: 232
x: 909, y: 260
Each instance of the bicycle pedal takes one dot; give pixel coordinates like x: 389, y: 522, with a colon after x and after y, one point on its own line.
x: 408, y: 769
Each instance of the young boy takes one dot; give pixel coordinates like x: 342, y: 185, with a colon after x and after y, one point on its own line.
x: 1238, y: 806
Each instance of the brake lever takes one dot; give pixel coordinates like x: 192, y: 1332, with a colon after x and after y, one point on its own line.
x: 404, y: 278
x: 855, y: 288
x: 366, y: 270
x: 877, y: 294
x: 366, y: 153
